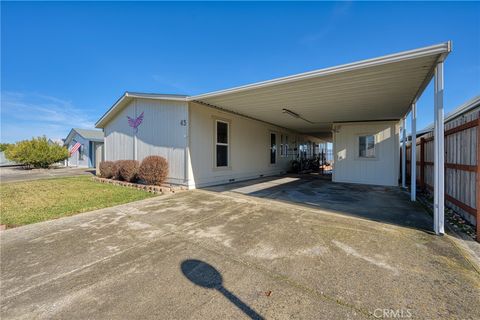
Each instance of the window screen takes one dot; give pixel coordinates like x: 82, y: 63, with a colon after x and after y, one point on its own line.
x: 221, y: 146
x: 273, y: 148
x: 366, y: 146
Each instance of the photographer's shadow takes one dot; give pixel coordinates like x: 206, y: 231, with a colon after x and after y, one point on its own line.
x: 204, y: 275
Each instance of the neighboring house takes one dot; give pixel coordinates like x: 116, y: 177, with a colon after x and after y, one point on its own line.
x: 57, y: 142
x: 90, y: 150
x: 256, y: 130
x: 467, y: 111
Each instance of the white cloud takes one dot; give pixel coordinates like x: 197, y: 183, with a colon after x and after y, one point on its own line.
x: 28, y: 115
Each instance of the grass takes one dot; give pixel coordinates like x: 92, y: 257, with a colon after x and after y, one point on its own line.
x: 34, y: 201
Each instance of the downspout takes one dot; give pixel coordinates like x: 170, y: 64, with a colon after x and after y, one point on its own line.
x: 135, y: 156
x: 187, y: 148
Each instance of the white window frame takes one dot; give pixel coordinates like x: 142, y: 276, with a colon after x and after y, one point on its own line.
x: 285, y: 153
x: 81, y: 152
x: 270, y: 148
x: 366, y: 135
x: 281, y: 146
x: 215, y: 137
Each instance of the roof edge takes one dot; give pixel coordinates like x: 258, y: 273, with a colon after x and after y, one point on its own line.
x: 132, y: 95
x: 442, y: 49
x: 458, y: 111
x: 76, y: 130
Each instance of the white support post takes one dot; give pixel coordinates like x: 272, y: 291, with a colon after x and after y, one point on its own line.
x: 439, y: 154
x: 135, y: 144
x: 404, y: 152
x: 413, y: 158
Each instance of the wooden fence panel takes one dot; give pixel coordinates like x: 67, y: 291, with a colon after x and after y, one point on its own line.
x: 462, y: 165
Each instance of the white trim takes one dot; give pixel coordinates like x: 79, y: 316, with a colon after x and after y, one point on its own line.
x: 357, y: 151
x: 216, y: 121
x: 413, y: 157
x: 171, y: 97
x: 128, y: 96
x: 135, y: 148
x: 270, y: 148
x: 442, y: 48
x: 439, y: 154
x: 404, y: 152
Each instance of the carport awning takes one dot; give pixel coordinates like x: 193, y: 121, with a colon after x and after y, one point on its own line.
x: 382, y: 88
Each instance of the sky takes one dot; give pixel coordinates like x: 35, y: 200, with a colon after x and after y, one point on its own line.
x: 63, y: 64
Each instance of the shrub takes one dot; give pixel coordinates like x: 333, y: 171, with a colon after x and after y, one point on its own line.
x: 153, y: 170
x: 128, y: 170
x: 106, y: 169
x: 116, y: 169
x: 37, y: 153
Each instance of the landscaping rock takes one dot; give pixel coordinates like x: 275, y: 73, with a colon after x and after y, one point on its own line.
x: 163, y: 189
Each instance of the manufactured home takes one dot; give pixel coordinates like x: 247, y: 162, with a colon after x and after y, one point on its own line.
x: 256, y: 130
x: 85, y: 148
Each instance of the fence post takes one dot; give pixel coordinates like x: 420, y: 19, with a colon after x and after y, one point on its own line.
x: 422, y: 162
x: 477, y: 180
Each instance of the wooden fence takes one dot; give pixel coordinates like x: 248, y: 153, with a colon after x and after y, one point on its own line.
x: 462, y: 169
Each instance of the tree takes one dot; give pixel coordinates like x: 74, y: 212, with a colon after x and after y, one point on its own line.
x: 4, y: 146
x: 37, y: 153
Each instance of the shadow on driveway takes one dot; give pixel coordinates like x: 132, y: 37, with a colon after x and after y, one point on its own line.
x: 376, y: 203
x: 204, y: 275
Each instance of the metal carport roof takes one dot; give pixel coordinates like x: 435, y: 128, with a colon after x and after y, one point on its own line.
x: 382, y: 88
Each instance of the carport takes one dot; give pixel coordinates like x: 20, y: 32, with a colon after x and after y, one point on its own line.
x: 386, y: 88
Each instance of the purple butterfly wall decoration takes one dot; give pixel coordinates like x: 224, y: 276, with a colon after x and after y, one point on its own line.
x: 135, y: 123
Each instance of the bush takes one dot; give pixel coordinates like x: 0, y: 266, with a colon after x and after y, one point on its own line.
x: 128, y: 170
x: 37, y: 153
x: 153, y: 170
x: 106, y: 169
x: 116, y: 169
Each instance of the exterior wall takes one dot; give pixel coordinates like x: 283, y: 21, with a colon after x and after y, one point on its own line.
x: 249, y: 147
x: 99, y: 154
x: 75, y: 160
x: 163, y: 132
x: 381, y: 170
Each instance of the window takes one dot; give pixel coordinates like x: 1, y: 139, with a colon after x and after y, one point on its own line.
x: 221, y: 143
x: 281, y: 146
x: 286, y: 147
x: 81, y: 151
x: 366, y: 146
x: 273, y: 148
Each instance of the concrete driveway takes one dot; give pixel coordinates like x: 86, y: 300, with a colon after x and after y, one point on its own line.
x: 222, y: 254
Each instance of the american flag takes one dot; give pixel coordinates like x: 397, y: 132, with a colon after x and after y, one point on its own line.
x: 75, y: 147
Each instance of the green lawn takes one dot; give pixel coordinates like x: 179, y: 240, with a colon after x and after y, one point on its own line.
x: 34, y: 201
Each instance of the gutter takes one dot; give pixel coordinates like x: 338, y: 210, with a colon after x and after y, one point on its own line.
x: 442, y: 49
